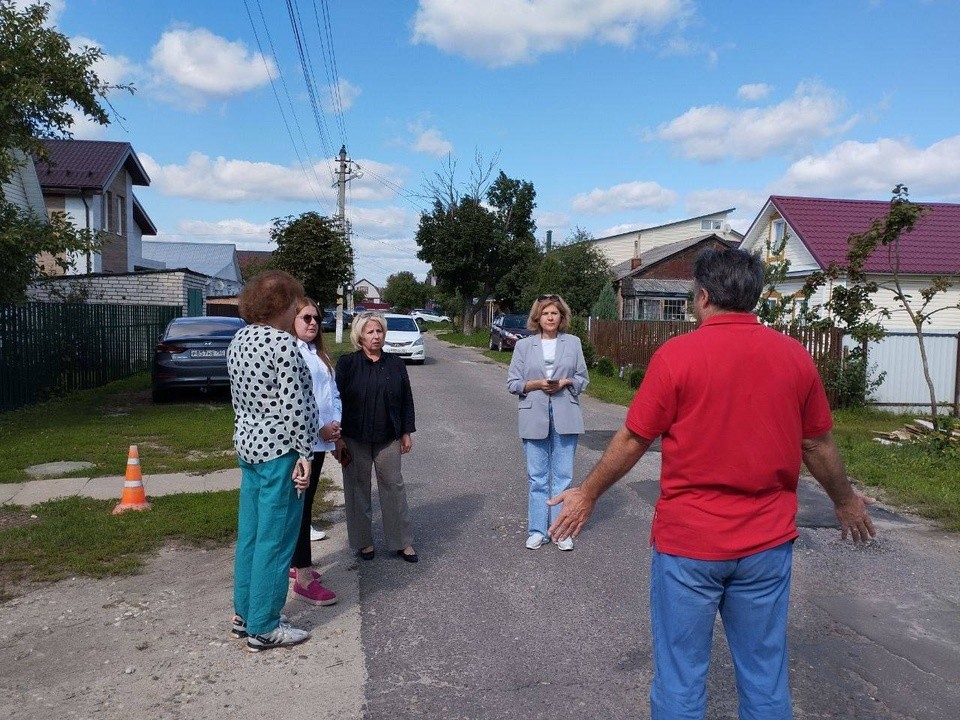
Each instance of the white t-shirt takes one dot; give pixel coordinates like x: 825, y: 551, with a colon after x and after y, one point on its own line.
x: 549, y: 354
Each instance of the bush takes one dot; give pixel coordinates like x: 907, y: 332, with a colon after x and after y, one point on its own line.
x: 849, y: 379
x: 635, y: 377
x: 606, y: 367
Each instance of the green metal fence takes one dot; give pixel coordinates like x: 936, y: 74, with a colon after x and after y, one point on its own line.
x: 51, y: 349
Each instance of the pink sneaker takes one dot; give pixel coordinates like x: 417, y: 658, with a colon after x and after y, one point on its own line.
x: 313, y: 574
x: 315, y: 593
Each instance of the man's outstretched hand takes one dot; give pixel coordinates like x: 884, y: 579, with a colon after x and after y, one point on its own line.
x: 577, y: 508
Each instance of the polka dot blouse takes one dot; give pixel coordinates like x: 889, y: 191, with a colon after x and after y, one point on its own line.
x: 272, y: 395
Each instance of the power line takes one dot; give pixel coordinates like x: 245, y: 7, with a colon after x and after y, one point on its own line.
x: 276, y: 95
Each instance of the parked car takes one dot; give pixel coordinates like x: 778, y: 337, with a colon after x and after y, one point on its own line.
x: 329, y: 321
x: 192, y: 353
x: 422, y: 315
x: 506, y: 330
x: 404, y: 338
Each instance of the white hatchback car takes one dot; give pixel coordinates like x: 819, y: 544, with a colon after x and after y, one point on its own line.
x: 404, y: 338
x: 428, y: 316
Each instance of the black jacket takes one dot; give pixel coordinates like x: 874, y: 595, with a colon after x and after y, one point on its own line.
x: 352, y: 381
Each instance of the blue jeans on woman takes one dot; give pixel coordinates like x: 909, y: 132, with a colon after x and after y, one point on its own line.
x: 752, y: 595
x: 549, y: 471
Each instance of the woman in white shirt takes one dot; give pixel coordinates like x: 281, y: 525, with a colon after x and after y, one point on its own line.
x: 306, y: 583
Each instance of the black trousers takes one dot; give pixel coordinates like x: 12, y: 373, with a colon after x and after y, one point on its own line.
x: 301, y: 552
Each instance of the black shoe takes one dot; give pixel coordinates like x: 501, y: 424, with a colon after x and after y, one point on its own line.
x: 366, y: 554
x: 411, y: 558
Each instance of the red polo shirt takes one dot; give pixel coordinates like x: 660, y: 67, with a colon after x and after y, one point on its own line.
x: 732, y: 400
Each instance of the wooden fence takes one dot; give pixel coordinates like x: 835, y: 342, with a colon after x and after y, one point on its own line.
x: 633, y: 342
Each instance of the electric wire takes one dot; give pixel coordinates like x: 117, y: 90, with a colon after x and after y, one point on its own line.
x: 304, y: 165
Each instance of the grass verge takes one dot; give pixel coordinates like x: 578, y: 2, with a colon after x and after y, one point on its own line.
x: 81, y: 536
x: 192, y: 434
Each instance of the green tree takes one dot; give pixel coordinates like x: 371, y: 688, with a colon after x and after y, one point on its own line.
x: 313, y: 249
x: 404, y: 292
x: 475, y: 249
x: 577, y: 270
x: 41, y: 81
x: 25, y: 238
x: 605, y: 308
x: 886, y: 232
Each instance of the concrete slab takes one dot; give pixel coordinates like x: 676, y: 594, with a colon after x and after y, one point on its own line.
x: 104, y: 488
x: 9, y: 491
x: 38, y: 491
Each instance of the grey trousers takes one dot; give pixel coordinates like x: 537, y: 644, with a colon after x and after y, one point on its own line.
x: 385, y: 458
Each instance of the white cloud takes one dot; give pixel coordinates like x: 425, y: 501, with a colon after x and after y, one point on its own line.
x: 505, y: 32
x: 112, y: 70
x: 347, y: 93
x: 224, y: 180
x: 626, y: 196
x: 203, y: 65
x: 870, y: 170
x: 431, y: 142
x: 713, y: 132
x: 753, y: 91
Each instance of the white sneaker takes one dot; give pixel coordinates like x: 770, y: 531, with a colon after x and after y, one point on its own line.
x: 565, y: 544
x: 536, y: 540
x: 316, y: 534
x: 282, y: 636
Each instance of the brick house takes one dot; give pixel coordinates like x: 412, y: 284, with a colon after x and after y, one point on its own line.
x: 657, y: 284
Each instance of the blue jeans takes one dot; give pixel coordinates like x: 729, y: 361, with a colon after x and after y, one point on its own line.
x: 550, y: 471
x: 752, y: 595
x: 270, y: 514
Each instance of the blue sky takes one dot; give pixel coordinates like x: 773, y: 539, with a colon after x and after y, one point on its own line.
x: 622, y: 113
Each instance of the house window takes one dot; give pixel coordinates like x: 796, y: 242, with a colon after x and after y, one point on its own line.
x: 674, y: 309
x: 711, y: 225
x: 663, y: 309
x: 778, y: 229
x: 121, y: 215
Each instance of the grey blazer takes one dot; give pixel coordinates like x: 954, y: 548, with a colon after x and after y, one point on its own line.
x: 534, y: 407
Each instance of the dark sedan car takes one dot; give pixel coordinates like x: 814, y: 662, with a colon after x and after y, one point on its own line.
x: 192, y: 353
x: 506, y: 330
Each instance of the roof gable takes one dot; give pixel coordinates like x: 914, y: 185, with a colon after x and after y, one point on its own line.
x: 661, y: 254
x: 824, y: 225
x: 87, y: 164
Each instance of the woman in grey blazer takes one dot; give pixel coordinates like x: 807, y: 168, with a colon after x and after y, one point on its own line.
x: 548, y: 373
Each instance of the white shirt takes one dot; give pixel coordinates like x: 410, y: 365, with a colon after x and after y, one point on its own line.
x: 324, y: 391
x: 549, y: 354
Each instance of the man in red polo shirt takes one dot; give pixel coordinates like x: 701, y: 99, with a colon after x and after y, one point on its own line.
x: 738, y: 407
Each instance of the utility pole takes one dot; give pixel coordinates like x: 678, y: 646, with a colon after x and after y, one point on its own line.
x: 345, y: 173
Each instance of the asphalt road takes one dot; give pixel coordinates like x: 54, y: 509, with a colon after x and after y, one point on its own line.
x: 484, y: 628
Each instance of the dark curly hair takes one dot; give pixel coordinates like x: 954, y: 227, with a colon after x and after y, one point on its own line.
x: 268, y: 294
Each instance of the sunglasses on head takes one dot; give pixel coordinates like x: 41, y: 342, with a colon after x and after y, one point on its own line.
x: 310, y: 318
x: 541, y: 298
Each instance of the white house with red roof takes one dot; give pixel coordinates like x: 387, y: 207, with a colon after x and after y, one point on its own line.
x: 92, y: 182
x: 817, y: 230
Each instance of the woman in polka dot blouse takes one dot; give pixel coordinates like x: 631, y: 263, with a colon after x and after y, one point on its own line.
x: 276, y: 422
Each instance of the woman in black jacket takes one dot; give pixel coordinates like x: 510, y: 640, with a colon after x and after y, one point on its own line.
x: 378, y: 418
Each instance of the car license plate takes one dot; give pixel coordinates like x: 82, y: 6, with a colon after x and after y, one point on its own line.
x: 212, y: 353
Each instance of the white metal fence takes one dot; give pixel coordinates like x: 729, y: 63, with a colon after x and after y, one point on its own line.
x: 904, y: 387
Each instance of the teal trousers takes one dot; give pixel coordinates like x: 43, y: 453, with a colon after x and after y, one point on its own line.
x: 269, y: 519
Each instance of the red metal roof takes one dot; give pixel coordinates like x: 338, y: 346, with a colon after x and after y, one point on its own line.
x: 931, y: 248
x: 87, y: 164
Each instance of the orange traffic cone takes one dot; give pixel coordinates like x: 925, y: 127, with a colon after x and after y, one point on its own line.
x: 133, y: 497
